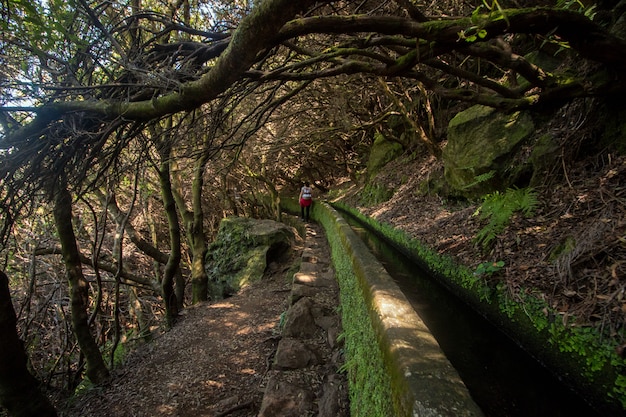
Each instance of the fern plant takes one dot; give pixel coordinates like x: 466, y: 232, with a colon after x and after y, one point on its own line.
x: 499, y: 207
x: 478, y: 179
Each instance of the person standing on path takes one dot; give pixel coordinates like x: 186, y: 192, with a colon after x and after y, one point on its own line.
x: 306, y: 199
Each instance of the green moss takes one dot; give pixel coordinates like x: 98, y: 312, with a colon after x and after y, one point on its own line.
x: 374, y: 194
x: 584, y: 355
x: 382, y: 152
x: 238, y: 256
x: 370, y: 384
x: 475, y: 112
x: 480, y: 141
x: 562, y: 248
x: 437, y: 27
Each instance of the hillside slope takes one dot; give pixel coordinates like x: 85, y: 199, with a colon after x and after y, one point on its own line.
x: 571, y: 253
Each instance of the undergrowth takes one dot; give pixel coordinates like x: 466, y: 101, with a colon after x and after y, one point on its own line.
x: 373, y: 194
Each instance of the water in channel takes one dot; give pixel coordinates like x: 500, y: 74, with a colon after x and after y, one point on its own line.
x: 502, y: 378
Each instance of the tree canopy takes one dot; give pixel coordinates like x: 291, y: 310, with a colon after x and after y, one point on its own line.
x: 93, y: 70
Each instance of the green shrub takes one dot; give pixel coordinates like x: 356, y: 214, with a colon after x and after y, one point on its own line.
x: 488, y: 268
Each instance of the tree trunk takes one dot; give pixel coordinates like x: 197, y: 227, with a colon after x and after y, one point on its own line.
x: 414, y: 122
x: 194, y: 226
x: 136, y: 307
x: 97, y: 371
x: 19, y: 391
x: 149, y: 249
x: 173, y: 262
x: 199, y: 277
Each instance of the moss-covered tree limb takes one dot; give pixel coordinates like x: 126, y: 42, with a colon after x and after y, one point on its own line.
x: 256, y: 33
x: 589, y: 39
x: 269, y: 25
x: 79, y: 292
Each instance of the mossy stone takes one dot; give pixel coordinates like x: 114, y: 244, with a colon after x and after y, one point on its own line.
x: 482, y: 141
x: 241, y: 251
x: 382, y: 152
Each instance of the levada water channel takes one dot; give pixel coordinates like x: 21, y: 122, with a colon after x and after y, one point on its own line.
x: 503, y: 379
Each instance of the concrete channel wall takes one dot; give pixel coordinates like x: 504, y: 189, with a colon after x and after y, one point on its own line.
x: 424, y: 383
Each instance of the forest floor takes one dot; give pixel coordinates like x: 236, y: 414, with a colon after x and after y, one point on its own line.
x: 212, y: 363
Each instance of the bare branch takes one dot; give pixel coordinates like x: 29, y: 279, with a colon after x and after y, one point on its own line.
x: 105, y: 266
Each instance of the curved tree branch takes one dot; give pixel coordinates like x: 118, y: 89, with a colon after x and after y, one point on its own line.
x: 105, y: 266
x: 269, y: 25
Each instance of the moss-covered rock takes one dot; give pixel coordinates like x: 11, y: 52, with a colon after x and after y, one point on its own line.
x: 242, y: 250
x: 544, y: 155
x: 382, y: 152
x: 481, y: 145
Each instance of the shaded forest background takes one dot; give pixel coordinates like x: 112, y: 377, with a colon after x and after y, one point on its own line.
x: 130, y: 129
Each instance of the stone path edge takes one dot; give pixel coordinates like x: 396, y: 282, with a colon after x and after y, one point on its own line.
x: 304, y: 378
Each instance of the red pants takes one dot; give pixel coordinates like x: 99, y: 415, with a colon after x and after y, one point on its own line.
x: 305, y: 208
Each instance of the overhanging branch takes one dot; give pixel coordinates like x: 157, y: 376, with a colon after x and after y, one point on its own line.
x: 269, y: 24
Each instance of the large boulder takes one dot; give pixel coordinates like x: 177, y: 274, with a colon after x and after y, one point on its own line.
x: 382, y: 152
x: 482, y: 145
x: 242, y: 250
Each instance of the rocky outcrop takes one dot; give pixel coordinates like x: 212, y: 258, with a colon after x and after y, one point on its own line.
x: 304, y: 379
x: 242, y: 251
x: 381, y: 152
x: 482, y: 145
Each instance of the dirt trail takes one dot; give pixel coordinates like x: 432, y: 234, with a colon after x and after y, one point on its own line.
x: 212, y: 362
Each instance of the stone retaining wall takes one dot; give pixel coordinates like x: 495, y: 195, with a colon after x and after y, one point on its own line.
x: 423, y: 382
